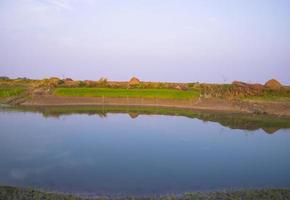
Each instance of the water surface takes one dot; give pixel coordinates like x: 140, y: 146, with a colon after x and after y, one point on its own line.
x: 137, y: 154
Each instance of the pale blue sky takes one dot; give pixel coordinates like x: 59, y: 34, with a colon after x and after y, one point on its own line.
x: 158, y: 40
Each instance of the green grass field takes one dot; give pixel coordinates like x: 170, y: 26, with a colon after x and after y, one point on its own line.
x: 10, y: 91
x: 131, y: 93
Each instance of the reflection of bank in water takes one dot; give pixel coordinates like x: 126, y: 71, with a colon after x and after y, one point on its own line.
x: 270, y: 124
x: 133, y: 115
x: 270, y: 130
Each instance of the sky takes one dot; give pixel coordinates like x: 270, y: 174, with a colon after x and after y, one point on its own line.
x: 154, y: 40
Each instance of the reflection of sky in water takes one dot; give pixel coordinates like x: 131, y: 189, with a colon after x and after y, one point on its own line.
x: 148, y: 154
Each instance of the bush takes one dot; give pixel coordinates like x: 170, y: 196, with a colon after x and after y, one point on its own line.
x: 69, y: 83
x: 102, y: 82
x: 4, y: 78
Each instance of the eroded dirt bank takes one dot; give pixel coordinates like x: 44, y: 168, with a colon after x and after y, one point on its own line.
x: 261, y: 107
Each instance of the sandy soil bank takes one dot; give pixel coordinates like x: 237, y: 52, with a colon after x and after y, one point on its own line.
x: 272, y: 108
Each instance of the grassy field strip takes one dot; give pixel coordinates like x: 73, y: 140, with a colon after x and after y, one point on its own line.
x: 8, y: 92
x: 130, y: 93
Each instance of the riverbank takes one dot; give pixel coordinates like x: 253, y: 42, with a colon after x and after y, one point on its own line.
x: 238, y: 97
x: 278, y: 108
x: 14, y: 193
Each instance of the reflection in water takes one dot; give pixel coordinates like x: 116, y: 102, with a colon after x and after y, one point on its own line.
x: 72, y: 149
x: 270, y: 124
x: 133, y: 115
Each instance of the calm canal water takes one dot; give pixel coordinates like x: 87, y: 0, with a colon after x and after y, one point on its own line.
x: 149, y: 154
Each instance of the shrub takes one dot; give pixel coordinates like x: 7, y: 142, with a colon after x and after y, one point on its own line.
x: 89, y: 83
x: 4, y: 78
x: 68, y: 83
x: 102, y: 82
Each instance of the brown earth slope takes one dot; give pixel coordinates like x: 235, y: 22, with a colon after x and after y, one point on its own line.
x: 213, y: 104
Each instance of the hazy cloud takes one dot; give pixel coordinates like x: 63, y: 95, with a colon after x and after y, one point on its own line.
x: 61, y: 4
x: 187, y: 39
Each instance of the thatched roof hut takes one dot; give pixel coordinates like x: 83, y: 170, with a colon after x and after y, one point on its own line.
x: 134, y: 81
x: 273, y: 84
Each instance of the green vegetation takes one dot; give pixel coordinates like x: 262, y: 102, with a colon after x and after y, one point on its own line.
x: 14, y: 87
x: 130, y: 93
x: 250, y: 194
x: 13, y: 193
x: 10, y: 91
x: 140, y: 89
x: 270, y: 95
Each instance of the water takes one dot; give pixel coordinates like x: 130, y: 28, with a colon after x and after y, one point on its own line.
x: 149, y: 154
